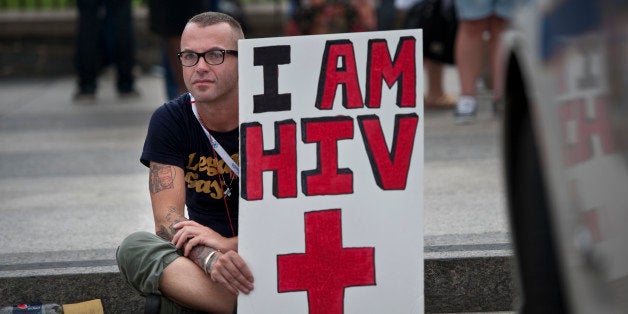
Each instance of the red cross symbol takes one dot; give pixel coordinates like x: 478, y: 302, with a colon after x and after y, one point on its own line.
x: 326, y: 268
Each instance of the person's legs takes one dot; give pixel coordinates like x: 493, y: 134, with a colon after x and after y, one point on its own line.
x: 473, y: 17
x: 434, y: 78
x: 186, y: 284
x: 386, y: 15
x: 497, y: 24
x: 496, y: 28
x: 172, y: 47
x: 142, y: 257
x: 123, y: 44
x: 153, y: 266
x: 172, y: 90
x: 435, y: 97
x: 87, y: 57
x: 469, y: 48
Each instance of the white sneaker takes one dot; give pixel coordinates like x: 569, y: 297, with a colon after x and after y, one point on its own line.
x: 466, y: 108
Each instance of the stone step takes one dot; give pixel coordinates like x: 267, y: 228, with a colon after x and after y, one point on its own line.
x: 458, y: 278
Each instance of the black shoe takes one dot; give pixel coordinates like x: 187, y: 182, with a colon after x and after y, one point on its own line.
x: 153, y: 304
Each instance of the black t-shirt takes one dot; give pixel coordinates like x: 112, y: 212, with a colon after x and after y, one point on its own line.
x: 175, y: 137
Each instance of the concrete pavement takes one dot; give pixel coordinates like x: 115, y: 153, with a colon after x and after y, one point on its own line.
x: 72, y: 188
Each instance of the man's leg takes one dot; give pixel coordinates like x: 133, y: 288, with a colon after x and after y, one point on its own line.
x: 497, y: 25
x: 186, y: 284
x: 142, y: 257
x: 435, y: 96
x: 469, y: 51
x: 88, y: 56
x: 121, y: 15
x: 152, y: 265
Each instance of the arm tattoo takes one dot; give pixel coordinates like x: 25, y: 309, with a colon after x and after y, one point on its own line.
x: 161, y: 178
x: 198, y: 255
x: 172, y: 218
x: 164, y: 234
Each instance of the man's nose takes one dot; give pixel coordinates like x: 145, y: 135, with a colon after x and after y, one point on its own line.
x: 202, y: 64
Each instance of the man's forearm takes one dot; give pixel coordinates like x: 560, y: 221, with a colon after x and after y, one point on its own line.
x: 166, y: 229
x: 199, y: 253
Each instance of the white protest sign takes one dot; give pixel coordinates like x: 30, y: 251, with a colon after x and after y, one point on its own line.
x: 331, y: 155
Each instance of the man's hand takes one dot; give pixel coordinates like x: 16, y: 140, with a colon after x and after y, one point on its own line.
x: 227, y: 268
x: 190, y: 234
x: 231, y: 271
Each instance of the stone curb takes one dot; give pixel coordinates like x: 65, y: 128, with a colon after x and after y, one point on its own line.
x: 454, y: 284
x: 471, y: 284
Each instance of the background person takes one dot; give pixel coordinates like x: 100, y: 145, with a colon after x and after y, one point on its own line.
x: 103, y: 39
x: 167, y: 19
x: 332, y: 16
x: 437, y: 19
x: 475, y: 18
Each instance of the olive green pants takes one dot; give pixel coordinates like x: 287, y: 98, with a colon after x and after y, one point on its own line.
x: 142, y: 257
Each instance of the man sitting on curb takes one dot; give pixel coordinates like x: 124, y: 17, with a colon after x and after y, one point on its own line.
x: 194, y: 264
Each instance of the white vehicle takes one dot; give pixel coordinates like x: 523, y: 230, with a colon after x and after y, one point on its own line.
x: 566, y: 153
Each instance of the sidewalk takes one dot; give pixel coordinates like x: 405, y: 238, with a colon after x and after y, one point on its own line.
x: 72, y: 188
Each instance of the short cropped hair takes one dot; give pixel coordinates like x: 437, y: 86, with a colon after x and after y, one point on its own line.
x: 212, y: 18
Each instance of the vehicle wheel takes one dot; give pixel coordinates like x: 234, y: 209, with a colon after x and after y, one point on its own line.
x: 530, y: 219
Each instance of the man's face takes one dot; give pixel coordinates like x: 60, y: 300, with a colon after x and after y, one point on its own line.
x: 211, y: 83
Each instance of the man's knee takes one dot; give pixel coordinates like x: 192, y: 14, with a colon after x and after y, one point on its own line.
x: 130, y: 244
x: 141, y: 258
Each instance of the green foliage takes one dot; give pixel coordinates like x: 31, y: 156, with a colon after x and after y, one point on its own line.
x: 46, y: 4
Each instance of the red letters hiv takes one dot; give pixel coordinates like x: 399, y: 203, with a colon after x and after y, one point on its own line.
x: 338, y: 79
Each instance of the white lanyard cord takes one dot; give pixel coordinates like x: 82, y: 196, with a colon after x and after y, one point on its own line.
x: 217, y: 147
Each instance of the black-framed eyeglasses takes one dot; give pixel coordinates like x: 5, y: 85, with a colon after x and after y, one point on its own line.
x: 213, y: 57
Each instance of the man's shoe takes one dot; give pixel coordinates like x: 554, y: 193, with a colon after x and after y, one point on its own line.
x: 466, y: 109
x: 152, y: 304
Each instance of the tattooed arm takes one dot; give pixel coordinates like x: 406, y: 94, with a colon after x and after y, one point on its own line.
x: 167, y: 193
x: 225, y: 266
